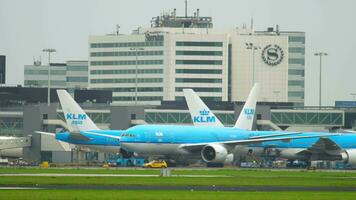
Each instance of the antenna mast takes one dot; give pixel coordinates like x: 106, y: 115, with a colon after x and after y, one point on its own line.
x: 186, y: 8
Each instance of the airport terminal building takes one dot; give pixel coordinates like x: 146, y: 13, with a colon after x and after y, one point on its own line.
x: 187, y: 52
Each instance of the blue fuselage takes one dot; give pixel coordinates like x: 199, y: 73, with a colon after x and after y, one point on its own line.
x: 172, y: 134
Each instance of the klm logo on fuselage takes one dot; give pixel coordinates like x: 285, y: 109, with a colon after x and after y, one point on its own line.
x: 204, y: 117
x: 249, y: 112
x: 77, y: 119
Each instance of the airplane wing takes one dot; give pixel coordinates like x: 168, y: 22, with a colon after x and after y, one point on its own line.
x: 103, y: 135
x: 275, y: 135
x: 194, y: 146
x: 322, y: 146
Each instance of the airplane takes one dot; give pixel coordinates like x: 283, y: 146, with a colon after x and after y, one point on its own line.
x: 212, y: 144
x: 342, y: 148
x: 82, y: 130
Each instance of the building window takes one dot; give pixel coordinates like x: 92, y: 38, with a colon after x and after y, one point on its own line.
x: 300, y: 61
x: 199, y: 62
x: 127, y: 62
x: 300, y: 39
x: 296, y: 94
x: 296, y: 83
x: 77, y: 79
x: 199, y: 89
x: 128, y: 80
x: 299, y: 72
x: 127, y: 71
x: 126, y: 44
x: 126, y: 53
x: 198, y: 80
x: 199, y: 53
x: 198, y: 71
x: 77, y: 68
x: 296, y: 50
x: 199, y: 44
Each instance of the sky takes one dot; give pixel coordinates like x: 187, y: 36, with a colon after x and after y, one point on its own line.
x: 27, y: 27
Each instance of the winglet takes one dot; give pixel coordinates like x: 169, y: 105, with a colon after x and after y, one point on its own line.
x: 76, y: 118
x: 200, y: 113
x: 245, y: 120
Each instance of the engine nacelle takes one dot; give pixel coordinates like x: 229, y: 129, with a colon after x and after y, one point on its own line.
x: 214, y: 153
x: 350, y: 156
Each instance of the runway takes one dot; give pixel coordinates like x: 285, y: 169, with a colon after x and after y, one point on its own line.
x: 185, y: 188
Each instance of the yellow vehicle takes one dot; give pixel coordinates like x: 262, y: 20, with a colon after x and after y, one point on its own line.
x: 156, y: 164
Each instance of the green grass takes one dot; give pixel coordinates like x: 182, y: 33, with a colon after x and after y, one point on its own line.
x: 234, y: 177
x: 154, y: 195
x: 182, y: 181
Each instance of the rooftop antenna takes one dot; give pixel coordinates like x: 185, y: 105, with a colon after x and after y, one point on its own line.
x: 186, y: 8
x: 277, y: 29
x: 117, y: 29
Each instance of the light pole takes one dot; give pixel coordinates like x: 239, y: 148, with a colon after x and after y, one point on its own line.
x: 320, y: 54
x: 49, y: 51
x: 253, y: 48
x: 136, y: 49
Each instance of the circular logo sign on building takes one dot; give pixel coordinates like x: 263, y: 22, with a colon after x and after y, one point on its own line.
x: 272, y: 54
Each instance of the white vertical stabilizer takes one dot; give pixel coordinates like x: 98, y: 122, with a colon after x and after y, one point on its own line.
x: 76, y: 118
x: 245, y: 120
x: 200, y: 113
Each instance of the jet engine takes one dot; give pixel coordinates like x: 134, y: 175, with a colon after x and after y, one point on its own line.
x: 214, y: 153
x: 349, y: 156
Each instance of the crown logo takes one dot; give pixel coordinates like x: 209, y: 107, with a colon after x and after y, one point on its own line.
x: 204, y: 112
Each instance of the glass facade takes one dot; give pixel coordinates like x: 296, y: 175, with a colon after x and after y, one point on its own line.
x: 299, y: 72
x: 77, y: 68
x: 181, y: 98
x: 132, y: 89
x: 77, y: 79
x: 296, y: 83
x: 198, y: 80
x: 304, y: 118
x: 296, y: 61
x: 126, y: 44
x: 299, y: 39
x: 198, y: 71
x: 199, y: 44
x: 139, y: 98
x: 44, y: 72
x: 200, y: 89
x: 199, y: 53
x: 300, y: 61
x: 199, y: 62
x: 126, y: 53
x: 296, y: 50
x: 127, y: 71
x: 128, y: 80
x: 127, y: 62
x: 44, y: 83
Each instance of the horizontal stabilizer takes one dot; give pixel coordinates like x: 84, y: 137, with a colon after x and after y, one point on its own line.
x: 66, y: 146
